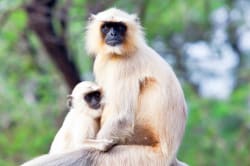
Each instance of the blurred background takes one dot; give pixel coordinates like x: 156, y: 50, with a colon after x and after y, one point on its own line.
x: 207, y: 42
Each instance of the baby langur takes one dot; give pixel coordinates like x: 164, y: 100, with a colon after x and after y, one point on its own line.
x: 82, y: 122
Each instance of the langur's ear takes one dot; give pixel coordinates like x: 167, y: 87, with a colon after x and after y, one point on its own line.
x: 91, y: 17
x: 69, y: 101
x: 135, y: 18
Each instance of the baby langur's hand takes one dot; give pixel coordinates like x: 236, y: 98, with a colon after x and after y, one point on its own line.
x: 100, y: 144
x: 105, y: 144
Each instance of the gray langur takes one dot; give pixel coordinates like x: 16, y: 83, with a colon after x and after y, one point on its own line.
x: 147, y: 115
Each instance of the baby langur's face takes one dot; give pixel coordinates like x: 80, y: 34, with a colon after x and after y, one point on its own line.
x: 87, y: 97
x: 93, y: 99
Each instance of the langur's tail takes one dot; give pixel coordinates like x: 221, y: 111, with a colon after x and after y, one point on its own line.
x: 120, y: 155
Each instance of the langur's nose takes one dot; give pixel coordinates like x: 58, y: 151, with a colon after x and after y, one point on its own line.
x: 113, y: 32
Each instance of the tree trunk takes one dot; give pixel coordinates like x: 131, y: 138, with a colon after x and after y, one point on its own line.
x: 40, y: 21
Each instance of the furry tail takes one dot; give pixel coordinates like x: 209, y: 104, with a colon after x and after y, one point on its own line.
x: 122, y: 155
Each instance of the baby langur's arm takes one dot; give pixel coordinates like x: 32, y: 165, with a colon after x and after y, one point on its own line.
x: 99, y: 144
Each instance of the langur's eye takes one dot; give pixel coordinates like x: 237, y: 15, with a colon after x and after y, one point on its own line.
x: 95, y: 95
x: 105, y: 29
x: 87, y: 98
x: 122, y: 28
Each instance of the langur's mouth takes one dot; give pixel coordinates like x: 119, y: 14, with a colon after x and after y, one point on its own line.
x: 113, y: 42
x: 95, y: 106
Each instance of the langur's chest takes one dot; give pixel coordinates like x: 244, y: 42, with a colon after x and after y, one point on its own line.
x: 115, y: 66
x: 112, y: 73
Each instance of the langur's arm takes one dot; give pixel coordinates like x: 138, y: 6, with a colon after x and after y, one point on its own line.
x: 120, y: 125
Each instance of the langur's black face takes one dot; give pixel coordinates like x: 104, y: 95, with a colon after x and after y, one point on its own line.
x: 93, y: 99
x: 113, y: 33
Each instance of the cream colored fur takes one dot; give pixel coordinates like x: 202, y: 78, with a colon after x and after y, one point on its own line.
x: 145, y: 110
x: 81, y: 122
x: 161, y: 107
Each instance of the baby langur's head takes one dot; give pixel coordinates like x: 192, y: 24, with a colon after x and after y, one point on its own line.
x: 114, y: 32
x: 87, y: 97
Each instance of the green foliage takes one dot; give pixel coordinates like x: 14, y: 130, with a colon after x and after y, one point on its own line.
x: 170, y: 17
x: 217, y: 131
x: 31, y: 91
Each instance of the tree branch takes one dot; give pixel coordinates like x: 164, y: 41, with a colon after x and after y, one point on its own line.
x: 40, y: 21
